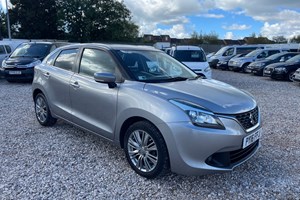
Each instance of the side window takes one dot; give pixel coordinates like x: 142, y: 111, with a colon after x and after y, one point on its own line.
x: 8, y: 49
x: 94, y: 60
x: 262, y: 55
x: 66, y: 59
x: 2, y: 50
x: 229, y: 52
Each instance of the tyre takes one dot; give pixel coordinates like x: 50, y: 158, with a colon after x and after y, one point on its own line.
x: 290, y: 76
x: 42, y: 111
x: 145, y: 150
x: 243, y: 69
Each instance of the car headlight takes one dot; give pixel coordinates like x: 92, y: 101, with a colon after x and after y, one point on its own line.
x: 33, y: 64
x: 280, y: 69
x: 198, y: 115
x: 3, y: 64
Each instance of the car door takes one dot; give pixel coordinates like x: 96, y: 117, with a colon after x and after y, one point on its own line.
x: 94, y: 105
x: 56, y: 82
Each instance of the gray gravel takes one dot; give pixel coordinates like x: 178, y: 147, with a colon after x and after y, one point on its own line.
x: 63, y: 162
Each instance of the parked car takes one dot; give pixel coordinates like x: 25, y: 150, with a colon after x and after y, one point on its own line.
x: 240, y: 64
x: 193, y: 57
x: 159, y: 111
x: 257, y: 67
x: 20, y: 63
x: 224, y: 64
x: 227, y: 52
x: 283, y: 70
x: 296, y: 76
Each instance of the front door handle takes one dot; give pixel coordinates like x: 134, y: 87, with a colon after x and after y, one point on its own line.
x: 46, y: 74
x: 75, y: 84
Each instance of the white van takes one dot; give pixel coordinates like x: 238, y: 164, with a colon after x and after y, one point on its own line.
x: 193, y: 57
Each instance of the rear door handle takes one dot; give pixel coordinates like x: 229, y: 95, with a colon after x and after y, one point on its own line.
x: 75, y: 84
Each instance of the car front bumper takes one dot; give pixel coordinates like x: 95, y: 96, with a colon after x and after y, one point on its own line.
x: 197, y: 151
x: 18, y: 73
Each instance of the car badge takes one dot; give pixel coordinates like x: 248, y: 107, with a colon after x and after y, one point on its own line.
x: 252, y: 119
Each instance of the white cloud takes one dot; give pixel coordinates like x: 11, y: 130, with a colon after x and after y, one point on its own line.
x: 177, y: 31
x: 229, y: 36
x: 236, y: 27
x: 288, y: 30
x: 149, y: 14
x: 278, y: 16
x: 211, y: 16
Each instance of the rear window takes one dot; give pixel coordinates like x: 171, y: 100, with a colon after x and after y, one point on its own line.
x: 190, y: 56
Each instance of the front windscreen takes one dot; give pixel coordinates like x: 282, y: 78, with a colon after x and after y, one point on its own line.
x: 31, y: 50
x: 154, y: 66
x: 253, y: 53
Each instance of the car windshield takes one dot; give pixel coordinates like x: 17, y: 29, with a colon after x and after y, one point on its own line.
x: 31, y: 50
x: 221, y: 51
x: 253, y: 53
x: 154, y: 66
x: 294, y: 59
x: 190, y: 56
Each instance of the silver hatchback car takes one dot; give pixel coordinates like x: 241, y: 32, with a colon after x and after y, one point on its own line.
x: 160, y: 112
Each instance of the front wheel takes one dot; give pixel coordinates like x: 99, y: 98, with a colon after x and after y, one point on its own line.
x: 290, y: 76
x: 145, y: 150
x: 42, y: 111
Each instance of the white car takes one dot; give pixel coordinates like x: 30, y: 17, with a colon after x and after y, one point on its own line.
x: 193, y: 57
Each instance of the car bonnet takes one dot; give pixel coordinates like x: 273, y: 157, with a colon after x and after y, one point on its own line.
x: 213, y: 95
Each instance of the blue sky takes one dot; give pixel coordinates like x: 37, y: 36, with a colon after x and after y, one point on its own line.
x: 229, y: 19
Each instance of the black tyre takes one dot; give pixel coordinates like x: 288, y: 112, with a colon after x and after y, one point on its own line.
x: 290, y: 76
x: 42, y: 111
x: 146, y: 150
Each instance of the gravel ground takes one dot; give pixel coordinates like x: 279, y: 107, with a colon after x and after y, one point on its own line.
x: 63, y: 162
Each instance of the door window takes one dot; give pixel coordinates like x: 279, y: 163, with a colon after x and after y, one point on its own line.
x: 94, y: 60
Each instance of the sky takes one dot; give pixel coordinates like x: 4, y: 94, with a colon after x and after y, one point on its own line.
x: 229, y: 19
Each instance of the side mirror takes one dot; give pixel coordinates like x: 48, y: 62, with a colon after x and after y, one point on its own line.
x: 108, y: 78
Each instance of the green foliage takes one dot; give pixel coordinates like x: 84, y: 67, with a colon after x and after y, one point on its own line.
x: 96, y: 20
x: 34, y: 19
x: 199, y: 38
x: 280, y: 39
x: 73, y: 20
x: 296, y: 39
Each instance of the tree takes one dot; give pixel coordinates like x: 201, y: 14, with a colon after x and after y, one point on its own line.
x: 34, y: 19
x: 96, y: 20
x: 279, y: 39
x: 296, y: 39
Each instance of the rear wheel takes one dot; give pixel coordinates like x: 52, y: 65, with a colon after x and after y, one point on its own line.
x: 42, y: 111
x: 146, y: 150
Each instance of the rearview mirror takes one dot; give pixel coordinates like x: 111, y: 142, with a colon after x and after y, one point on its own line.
x: 108, y: 78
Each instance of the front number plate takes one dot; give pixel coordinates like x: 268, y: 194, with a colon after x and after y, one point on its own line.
x: 15, y: 72
x: 251, y: 138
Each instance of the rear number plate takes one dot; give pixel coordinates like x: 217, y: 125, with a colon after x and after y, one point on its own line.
x: 251, y: 138
x: 15, y: 72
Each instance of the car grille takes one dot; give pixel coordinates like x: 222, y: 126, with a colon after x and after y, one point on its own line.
x: 231, y: 158
x: 248, y: 119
